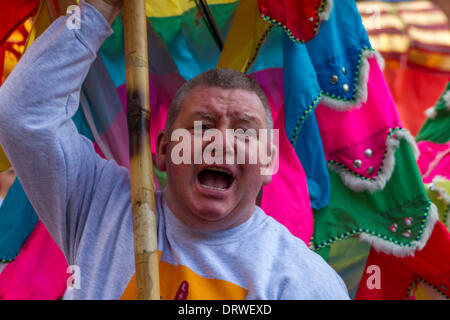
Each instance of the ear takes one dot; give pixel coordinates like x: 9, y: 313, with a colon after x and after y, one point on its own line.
x: 271, y: 168
x: 162, y: 143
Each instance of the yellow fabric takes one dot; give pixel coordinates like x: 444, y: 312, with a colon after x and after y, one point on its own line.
x: 415, y: 5
x: 4, y: 163
x: 41, y: 22
x: 200, y: 288
x: 424, y: 291
x: 372, y: 6
x: 170, y: 8
x: 430, y: 36
x: 386, y: 21
x: 245, y: 38
x: 387, y: 42
x: 430, y: 60
x: 424, y: 18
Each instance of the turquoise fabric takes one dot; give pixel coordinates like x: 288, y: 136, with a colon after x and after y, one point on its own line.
x: 17, y: 221
x: 301, y: 95
x: 340, y: 41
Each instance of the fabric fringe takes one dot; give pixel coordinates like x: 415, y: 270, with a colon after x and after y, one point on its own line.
x: 446, y: 98
x: 387, y: 247
x: 361, y: 89
x: 379, y: 182
x: 325, y: 14
x: 431, y: 113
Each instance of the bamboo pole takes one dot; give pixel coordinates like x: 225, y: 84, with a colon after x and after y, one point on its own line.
x: 141, y: 170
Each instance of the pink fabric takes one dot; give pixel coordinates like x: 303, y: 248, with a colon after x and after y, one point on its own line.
x: 434, y: 160
x: 347, y: 134
x: 38, y: 272
x: 286, y: 198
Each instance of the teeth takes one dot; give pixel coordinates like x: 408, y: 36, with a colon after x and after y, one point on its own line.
x: 213, y: 188
x: 219, y: 170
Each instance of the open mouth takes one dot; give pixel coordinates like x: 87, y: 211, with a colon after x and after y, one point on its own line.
x: 215, y: 179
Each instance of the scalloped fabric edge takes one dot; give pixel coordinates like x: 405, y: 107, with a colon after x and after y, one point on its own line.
x: 359, y: 183
x: 387, y: 247
x: 323, y: 8
x: 360, y: 90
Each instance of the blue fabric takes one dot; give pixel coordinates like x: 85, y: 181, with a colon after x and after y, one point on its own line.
x: 301, y: 95
x: 17, y: 221
x: 338, y: 44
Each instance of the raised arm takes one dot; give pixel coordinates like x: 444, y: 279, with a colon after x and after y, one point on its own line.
x: 57, y: 167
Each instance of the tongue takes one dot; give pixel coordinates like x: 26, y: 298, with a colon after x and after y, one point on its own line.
x: 214, y: 179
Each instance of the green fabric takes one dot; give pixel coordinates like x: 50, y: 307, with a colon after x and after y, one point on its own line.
x: 161, y: 177
x: 441, y: 104
x: 348, y: 257
x: 351, y: 213
x: 189, y: 40
x: 438, y: 129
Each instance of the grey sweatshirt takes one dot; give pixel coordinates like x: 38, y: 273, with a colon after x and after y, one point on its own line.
x: 84, y: 200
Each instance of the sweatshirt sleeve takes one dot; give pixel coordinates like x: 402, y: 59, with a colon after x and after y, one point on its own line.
x: 57, y: 167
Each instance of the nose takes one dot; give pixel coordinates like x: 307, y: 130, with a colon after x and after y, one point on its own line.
x: 220, y: 145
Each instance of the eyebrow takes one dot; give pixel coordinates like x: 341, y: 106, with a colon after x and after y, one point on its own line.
x: 205, y: 115
x: 246, y: 118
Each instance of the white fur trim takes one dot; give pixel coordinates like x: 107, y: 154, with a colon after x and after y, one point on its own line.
x: 446, y: 98
x: 361, y: 89
x: 356, y: 184
x: 388, y: 247
x: 431, y: 113
x: 325, y: 14
x: 405, y: 134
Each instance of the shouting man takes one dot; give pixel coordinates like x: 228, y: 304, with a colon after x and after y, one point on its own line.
x: 214, y: 241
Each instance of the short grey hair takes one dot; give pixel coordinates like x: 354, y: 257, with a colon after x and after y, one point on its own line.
x: 222, y: 78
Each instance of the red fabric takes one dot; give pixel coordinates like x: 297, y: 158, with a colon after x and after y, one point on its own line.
x: 414, y: 91
x: 38, y: 272
x: 2, y: 61
x: 299, y: 16
x: 13, y: 14
x: 432, y: 264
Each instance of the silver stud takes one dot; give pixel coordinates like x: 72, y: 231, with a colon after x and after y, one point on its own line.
x: 394, y: 227
x: 334, y: 79
x: 443, y: 287
x: 409, y: 221
x: 346, y: 87
x: 407, y: 233
x: 344, y: 71
x: 357, y: 163
x: 369, y: 170
x: 311, y: 19
x: 368, y: 153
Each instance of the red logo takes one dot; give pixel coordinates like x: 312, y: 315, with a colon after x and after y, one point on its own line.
x: 183, y: 291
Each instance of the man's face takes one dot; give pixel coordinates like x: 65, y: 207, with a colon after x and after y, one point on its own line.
x: 214, y: 196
